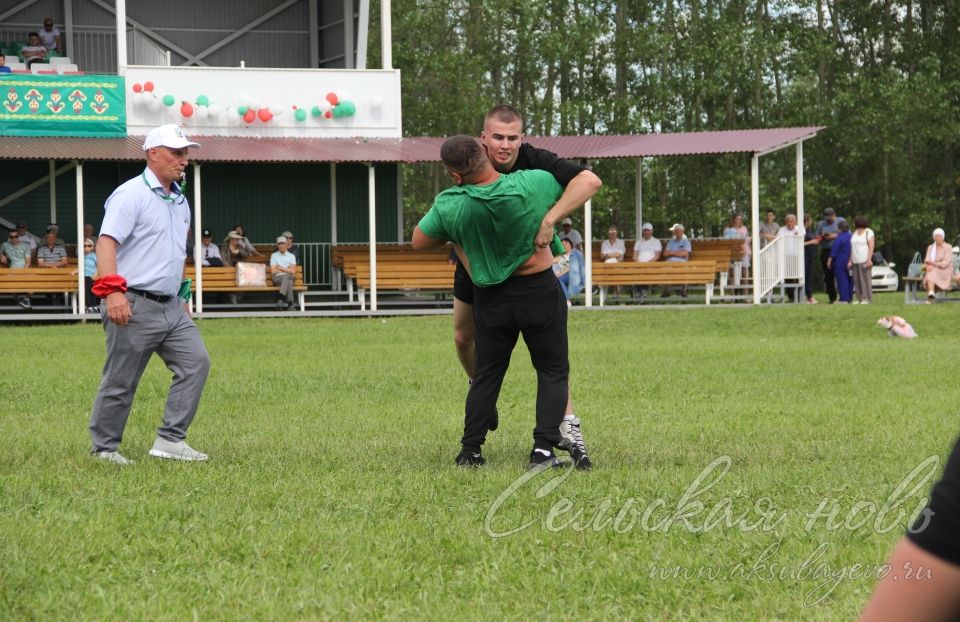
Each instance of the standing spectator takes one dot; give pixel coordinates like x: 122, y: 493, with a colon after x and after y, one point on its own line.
x: 810, y: 243
x: 737, y: 231
x: 16, y: 254
x: 89, y: 273
x: 769, y: 228
x: 209, y: 253
x: 569, y: 232
x: 141, y: 262
x: 34, y: 51
x: 26, y: 238
x: 678, y: 249
x: 50, y: 36
x: 938, y: 262
x: 792, y: 241
x: 827, y: 231
x: 839, y: 262
x: 292, y: 248
x: 244, y: 242
x: 3, y: 63
x: 569, y: 268
x: 862, y: 244
x: 51, y: 254
x: 283, y: 271
x: 647, y: 248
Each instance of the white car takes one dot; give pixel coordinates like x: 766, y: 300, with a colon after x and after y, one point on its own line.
x: 882, y: 276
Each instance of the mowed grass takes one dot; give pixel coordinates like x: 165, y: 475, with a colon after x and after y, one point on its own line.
x: 331, y: 491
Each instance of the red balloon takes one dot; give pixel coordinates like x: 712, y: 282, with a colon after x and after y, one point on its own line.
x: 332, y: 98
x: 250, y: 116
x: 328, y: 114
x: 264, y: 114
x: 137, y: 87
x: 148, y: 87
x: 186, y: 109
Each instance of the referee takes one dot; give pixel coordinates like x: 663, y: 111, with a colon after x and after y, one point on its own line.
x: 140, y: 255
x: 494, y: 220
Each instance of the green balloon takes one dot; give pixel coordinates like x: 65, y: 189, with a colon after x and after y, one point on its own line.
x: 168, y: 100
x: 349, y: 108
x: 203, y: 100
x: 315, y: 111
x: 242, y: 110
x: 300, y: 114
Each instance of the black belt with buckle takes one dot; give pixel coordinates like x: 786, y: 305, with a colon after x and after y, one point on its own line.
x: 148, y: 295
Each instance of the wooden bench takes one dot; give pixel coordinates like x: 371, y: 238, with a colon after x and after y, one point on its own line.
x: 224, y: 280
x: 419, y: 274
x: 40, y: 281
x: 693, y: 272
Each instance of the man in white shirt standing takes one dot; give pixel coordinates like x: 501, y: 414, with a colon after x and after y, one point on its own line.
x: 647, y: 248
x: 792, y: 235
x: 50, y: 36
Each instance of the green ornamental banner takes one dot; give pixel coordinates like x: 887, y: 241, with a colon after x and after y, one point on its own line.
x: 76, y: 105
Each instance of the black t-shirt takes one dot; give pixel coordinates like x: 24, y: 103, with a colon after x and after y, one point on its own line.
x: 941, y: 537
x: 529, y: 157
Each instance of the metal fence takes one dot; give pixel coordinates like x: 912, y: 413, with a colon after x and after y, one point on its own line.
x: 315, y: 258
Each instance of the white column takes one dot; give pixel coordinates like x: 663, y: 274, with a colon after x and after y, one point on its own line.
x: 333, y: 203
x: 363, y: 27
x: 639, y: 201
x: 53, y: 192
x: 386, y: 36
x: 802, y: 272
x: 372, y: 215
x: 348, y: 57
x: 313, y: 24
x: 197, y: 240
x: 68, y: 26
x: 334, y: 272
x: 121, y: 37
x: 588, y: 253
x: 755, y: 224
x: 81, y: 285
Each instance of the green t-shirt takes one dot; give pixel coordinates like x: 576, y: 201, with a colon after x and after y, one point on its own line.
x: 16, y: 255
x: 494, y: 224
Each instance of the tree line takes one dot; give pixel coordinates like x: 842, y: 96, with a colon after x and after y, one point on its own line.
x: 883, y: 76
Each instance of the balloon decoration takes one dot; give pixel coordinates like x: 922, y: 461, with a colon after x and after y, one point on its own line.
x: 332, y: 106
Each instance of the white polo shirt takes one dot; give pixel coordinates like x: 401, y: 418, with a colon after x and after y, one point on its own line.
x: 648, y: 249
x: 151, y: 231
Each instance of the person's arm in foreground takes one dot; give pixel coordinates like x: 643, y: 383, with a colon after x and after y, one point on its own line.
x: 118, y: 310
x: 580, y: 189
x: 931, y: 592
x: 422, y: 241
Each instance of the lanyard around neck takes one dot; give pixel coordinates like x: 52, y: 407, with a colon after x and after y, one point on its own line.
x: 163, y: 196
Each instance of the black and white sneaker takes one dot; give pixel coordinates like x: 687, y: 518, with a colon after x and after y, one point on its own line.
x: 571, y: 440
x: 539, y: 459
x: 24, y: 302
x: 467, y: 458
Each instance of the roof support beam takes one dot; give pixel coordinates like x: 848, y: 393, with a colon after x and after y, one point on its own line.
x: 16, y: 9
x: 147, y: 31
x: 196, y: 58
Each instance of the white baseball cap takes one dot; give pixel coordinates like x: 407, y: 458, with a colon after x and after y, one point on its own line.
x: 676, y: 226
x: 646, y: 226
x: 167, y: 136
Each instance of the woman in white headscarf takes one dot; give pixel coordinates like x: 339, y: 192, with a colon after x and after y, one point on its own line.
x: 939, y: 265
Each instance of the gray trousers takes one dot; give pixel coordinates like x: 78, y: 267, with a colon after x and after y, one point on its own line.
x: 862, y: 282
x: 167, y: 330
x: 285, y: 282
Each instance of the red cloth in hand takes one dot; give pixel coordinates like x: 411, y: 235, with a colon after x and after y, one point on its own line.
x: 106, y: 285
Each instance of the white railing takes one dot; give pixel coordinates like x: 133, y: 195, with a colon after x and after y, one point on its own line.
x: 769, y: 266
x: 315, y: 259
x: 792, y: 256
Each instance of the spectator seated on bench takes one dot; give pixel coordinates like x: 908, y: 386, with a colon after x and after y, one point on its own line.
x: 283, y: 271
x: 678, y: 249
x: 3, y: 64
x: 34, y: 51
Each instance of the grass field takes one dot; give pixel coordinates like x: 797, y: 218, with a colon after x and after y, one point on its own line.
x: 331, y: 491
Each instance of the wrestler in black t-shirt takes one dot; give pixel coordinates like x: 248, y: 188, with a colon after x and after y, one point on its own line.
x: 941, y: 536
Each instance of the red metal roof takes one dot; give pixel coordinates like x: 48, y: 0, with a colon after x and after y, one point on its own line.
x: 413, y: 149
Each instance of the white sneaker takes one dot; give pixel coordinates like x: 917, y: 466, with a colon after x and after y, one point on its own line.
x: 176, y: 451
x: 113, y: 456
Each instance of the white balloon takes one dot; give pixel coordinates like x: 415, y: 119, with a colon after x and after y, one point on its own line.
x: 201, y: 112
x: 214, y: 111
x: 325, y: 105
x: 376, y: 102
x: 255, y: 104
x: 154, y: 103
